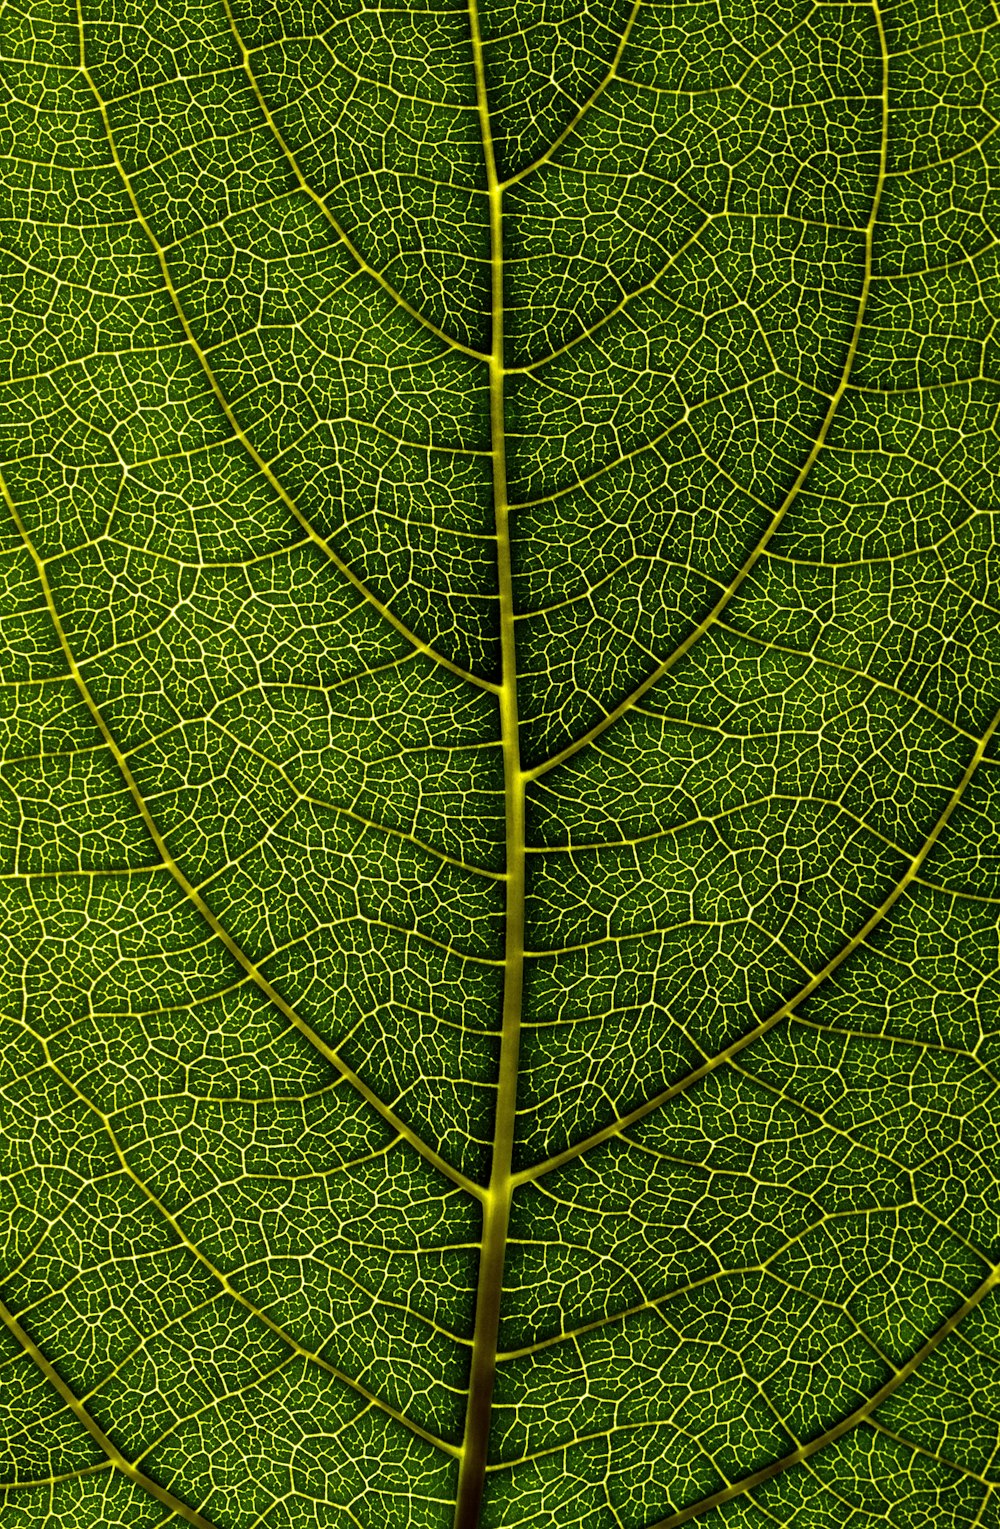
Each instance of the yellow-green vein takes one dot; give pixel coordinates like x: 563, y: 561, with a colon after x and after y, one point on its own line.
x: 750, y: 562
x: 325, y: 546
x: 190, y: 890
x: 496, y: 1203
x: 860, y: 1414
x: 120, y: 1462
x: 527, y: 1175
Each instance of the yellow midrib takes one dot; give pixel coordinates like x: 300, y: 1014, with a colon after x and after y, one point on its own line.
x: 496, y: 1202
x: 496, y: 1199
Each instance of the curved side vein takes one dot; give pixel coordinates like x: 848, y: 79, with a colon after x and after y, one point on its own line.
x: 325, y: 546
x: 818, y: 661
x: 217, y: 928
x: 222, y: 1279
x: 588, y: 333
x: 750, y: 562
x: 118, y: 1460
x: 678, y: 1292
x: 933, y: 1454
x: 581, y: 111
x: 831, y: 1435
x: 530, y: 1175
x: 304, y: 795
x: 320, y: 202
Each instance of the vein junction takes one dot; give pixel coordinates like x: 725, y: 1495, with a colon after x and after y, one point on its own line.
x: 500, y: 952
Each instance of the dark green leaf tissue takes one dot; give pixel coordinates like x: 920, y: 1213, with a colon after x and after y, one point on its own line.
x: 499, y: 764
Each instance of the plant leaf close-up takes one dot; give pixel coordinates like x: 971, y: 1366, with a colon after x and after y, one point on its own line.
x: 498, y: 830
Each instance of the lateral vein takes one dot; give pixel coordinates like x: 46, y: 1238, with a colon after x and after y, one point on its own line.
x: 121, y: 1462
x: 191, y: 891
x: 711, y: 1064
x: 860, y: 1414
x: 223, y: 1280
x: 746, y: 568
x: 325, y: 546
x: 320, y: 202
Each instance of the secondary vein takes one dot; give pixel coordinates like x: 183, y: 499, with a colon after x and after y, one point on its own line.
x: 263, y: 466
x: 195, y: 896
x: 711, y: 1064
x: 750, y: 562
x: 121, y: 1462
x: 371, y: 1398
x: 320, y: 202
x: 860, y: 1414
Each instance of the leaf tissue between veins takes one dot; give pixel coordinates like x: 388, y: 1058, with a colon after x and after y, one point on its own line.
x: 500, y: 678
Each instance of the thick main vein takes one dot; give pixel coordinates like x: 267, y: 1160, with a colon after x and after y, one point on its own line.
x: 192, y: 893
x: 496, y: 1202
x: 721, y: 1058
x: 750, y: 562
x: 264, y: 467
x: 121, y: 1462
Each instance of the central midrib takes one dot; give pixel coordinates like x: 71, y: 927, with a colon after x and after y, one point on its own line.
x: 496, y: 1201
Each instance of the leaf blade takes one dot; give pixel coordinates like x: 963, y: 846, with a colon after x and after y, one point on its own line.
x: 266, y: 842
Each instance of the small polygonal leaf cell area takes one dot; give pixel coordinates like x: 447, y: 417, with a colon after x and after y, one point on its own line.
x: 499, y: 675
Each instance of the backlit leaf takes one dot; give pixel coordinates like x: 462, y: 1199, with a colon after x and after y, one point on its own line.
x: 498, y: 850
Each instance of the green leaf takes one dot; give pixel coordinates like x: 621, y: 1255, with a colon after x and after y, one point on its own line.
x: 498, y: 859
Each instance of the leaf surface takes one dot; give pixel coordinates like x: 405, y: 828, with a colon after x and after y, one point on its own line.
x: 498, y: 832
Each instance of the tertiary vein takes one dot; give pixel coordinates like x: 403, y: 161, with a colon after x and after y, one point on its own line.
x: 321, y: 202
x: 121, y: 1462
x: 370, y: 1397
x: 400, y: 1126
x: 264, y: 467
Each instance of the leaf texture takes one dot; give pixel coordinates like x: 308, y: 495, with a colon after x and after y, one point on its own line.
x: 498, y: 853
